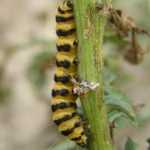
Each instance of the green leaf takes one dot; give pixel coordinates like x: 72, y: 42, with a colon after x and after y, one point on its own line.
x: 65, y: 145
x: 130, y: 145
x: 122, y: 122
x: 114, y: 115
x: 117, y: 101
x: 119, y: 118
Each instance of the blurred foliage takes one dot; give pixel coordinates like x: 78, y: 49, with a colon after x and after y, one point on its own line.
x: 4, y: 93
x: 40, y: 64
x: 143, y: 117
x: 130, y: 145
x: 45, y: 43
x: 65, y: 145
x: 119, y: 105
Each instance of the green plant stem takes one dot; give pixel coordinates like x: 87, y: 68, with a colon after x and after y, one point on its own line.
x: 90, y: 26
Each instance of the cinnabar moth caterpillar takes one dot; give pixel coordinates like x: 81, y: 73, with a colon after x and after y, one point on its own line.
x: 64, y: 112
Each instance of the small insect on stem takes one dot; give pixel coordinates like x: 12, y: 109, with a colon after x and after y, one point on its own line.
x: 83, y: 87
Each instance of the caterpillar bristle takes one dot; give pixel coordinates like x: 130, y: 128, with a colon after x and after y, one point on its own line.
x: 64, y: 108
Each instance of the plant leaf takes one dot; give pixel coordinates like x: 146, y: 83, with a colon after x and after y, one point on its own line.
x: 65, y: 145
x: 119, y: 118
x: 114, y: 115
x: 118, y: 102
x: 130, y: 144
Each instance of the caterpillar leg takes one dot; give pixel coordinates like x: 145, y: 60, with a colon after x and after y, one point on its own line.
x: 83, y: 87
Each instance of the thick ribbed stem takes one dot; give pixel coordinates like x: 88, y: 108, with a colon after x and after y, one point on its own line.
x: 90, y: 28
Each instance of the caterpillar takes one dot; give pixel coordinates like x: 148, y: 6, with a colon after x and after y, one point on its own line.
x: 63, y: 103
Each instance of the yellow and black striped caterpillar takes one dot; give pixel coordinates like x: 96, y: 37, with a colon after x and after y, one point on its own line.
x: 64, y: 112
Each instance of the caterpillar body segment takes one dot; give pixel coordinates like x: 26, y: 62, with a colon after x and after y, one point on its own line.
x: 64, y: 108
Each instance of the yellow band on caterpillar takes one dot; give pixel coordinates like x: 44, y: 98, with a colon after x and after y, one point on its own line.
x: 70, y: 40
x: 55, y: 101
x: 61, y: 113
x: 71, y: 58
x: 69, y: 124
x: 60, y: 86
x: 77, y: 132
x: 72, y: 73
x: 68, y: 26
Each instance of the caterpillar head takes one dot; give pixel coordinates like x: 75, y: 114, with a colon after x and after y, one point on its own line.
x: 68, y: 5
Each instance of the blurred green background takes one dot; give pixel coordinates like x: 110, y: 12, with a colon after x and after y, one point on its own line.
x: 27, y: 58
